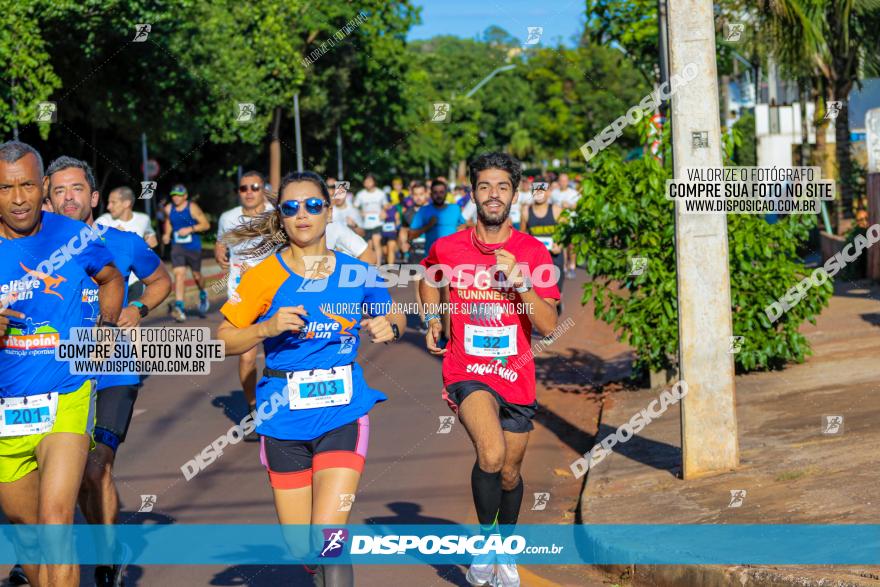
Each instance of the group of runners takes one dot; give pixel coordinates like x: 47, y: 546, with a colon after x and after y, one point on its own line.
x: 286, y: 255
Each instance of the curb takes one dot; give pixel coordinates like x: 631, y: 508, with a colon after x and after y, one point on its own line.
x: 675, y: 575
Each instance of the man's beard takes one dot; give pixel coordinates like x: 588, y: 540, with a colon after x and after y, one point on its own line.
x: 496, y: 220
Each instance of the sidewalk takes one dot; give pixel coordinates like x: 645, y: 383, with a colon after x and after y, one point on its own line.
x: 792, y: 473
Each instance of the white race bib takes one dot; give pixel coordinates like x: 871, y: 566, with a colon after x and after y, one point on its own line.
x: 182, y: 240
x: 420, y: 239
x: 319, y: 388
x: 23, y: 416
x: 547, y: 241
x: 389, y: 227
x: 490, y: 341
x: 371, y: 219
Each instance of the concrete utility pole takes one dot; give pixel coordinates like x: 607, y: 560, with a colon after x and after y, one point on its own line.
x: 708, y: 416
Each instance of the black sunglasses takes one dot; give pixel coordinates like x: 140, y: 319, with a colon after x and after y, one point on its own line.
x: 254, y: 187
x: 314, y: 206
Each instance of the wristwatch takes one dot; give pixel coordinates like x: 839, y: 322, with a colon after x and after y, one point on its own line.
x: 526, y: 286
x: 143, y: 310
x: 396, y: 331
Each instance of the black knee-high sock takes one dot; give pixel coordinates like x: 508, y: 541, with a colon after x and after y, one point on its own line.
x: 487, y: 494
x: 511, y: 502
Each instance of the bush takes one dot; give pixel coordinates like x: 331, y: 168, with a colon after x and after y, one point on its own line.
x: 624, y: 214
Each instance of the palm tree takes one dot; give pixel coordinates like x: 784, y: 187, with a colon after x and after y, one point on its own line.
x: 832, y: 43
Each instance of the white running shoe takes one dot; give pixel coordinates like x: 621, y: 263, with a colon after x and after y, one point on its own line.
x: 506, y: 575
x: 480, y: 574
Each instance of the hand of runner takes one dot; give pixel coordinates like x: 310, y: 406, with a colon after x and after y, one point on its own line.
x: 507, y: 264
x: 5, y: 314
x: 435, y: 331
x: 286, y: 319
x: 166, y: 239
x: 185, y: 231
x: 379, y: 328
x: 129, y: 317
x: 222, y: 262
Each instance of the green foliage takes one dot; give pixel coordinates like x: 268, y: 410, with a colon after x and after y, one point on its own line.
x: 28, y: 77
x: 624, y: 214
x: 628, y: 24
x: 745, y: 151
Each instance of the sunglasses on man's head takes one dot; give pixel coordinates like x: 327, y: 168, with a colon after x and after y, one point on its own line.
x: 254, y: 187
x: 314, y: 206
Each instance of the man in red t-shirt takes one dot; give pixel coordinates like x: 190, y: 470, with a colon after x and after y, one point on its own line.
x: 502, y: 282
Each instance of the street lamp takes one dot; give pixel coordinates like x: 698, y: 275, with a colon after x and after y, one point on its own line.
x: 486, y: 79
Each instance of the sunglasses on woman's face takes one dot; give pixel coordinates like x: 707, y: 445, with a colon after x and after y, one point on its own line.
x: 314, y: 206
x: 254, y: 187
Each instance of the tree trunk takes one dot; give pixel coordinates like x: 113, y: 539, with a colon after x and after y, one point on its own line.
x: 803, y: 98
x: 275, y: 152
x: 842, y: 150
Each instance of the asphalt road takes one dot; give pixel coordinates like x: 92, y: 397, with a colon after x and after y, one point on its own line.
x: 413, y: 474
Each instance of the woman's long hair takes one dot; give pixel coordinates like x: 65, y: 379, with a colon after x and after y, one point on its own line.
x: 266, y: 231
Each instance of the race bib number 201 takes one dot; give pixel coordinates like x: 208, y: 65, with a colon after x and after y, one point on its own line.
x: 20, y: 416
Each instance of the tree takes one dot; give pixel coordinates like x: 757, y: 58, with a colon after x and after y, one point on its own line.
x: 839, y: 40
x: 27, y: 76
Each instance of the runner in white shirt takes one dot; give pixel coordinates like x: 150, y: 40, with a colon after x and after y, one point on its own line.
x: 252, y: 195
x: 567, y: 197
x: 523, y: 198
x: 371, y: 202
x: 345, y: 213
x: 120, y: 215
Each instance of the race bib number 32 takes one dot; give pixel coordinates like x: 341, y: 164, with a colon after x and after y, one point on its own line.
x: 490, y: 341
x: 21, y: 416
x: 319, y: 388
x: 182, y: 240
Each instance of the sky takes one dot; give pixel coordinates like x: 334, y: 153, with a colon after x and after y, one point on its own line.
x: 561, y: 19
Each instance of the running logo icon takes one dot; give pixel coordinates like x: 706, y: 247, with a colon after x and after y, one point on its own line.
x: 346, y: 500
x: 141, y: 32
x: 147, y: 503
x: 637, y: 265
x: 246, y: 112
x: 541, y: 501
x: 47, y: 112
x: 534, y: 35
x: 734, y: 32
x: 737, y: 496
x: 317, y: 270
x: 341, y: 189
x: 346, y: 344
x: 446, y: 423
x: 833, y: 110
x: 736, y: 344
x: 539, y: 187
x: 440, y: 112
x: 832, y: 424
x: 148, y: 188
x: 334, y: 540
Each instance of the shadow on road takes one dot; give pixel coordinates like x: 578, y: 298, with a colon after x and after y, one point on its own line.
x: 587, y: 371
x: 406, y: 512
x: 576, y: 438
x: 234, y: 405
